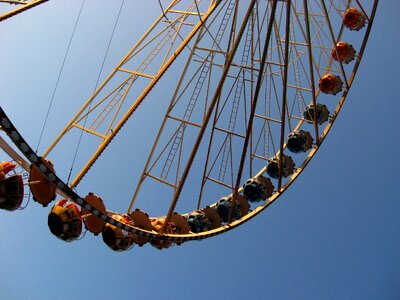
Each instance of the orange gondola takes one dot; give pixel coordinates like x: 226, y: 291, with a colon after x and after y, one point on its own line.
x: 354, y: 19
x: 343, y: 52
x: 43, y: 191
x: 65, y: 221
x: 116, y: 238
x: 330, y: 84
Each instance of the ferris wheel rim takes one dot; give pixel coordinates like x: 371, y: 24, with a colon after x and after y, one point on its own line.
x: 35, y: 160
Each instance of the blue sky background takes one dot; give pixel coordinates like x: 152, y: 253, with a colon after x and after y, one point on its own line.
x: 334, y: 234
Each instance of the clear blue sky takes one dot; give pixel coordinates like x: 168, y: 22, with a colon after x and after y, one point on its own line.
x: 333, y: 235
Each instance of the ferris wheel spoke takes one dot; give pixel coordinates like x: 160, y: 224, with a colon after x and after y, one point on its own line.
x: 168, y: 34
x: 201, y: 79
x: 209, y: 113
x: 253, y: 108
x: 284, y: 93
x: 311, y: 69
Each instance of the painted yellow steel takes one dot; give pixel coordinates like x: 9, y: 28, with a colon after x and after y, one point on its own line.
x: 21, y: 6
x: 15, y: 156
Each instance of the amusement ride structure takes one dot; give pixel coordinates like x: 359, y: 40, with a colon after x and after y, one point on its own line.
x: 255, y: 88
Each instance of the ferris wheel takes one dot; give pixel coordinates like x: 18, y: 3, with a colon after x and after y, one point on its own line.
x: 250, y: 90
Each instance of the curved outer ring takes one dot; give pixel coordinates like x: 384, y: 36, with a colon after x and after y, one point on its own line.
x: 20, y: 143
